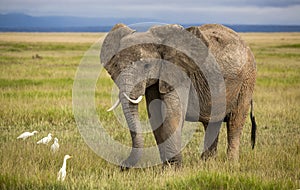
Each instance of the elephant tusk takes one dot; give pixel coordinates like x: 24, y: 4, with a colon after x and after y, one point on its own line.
x: 115, y: 105
x: 133, y: 101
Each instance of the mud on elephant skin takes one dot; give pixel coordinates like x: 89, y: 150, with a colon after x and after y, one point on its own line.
x: 200, y: 74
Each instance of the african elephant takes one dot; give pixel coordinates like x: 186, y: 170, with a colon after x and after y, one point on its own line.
x: 181, y: 68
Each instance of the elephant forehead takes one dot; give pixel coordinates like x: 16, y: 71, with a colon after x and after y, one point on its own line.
x: 155, y: 35
x: 138, y: 39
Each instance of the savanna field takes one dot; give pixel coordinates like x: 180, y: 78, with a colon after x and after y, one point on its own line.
x: 36, y: 80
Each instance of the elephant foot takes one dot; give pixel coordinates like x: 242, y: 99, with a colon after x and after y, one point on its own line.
x: 126, y: 165
x: 124, y: 168
x: 208, y: 155
x: 170, y: 164
x: 233, y: 156
x: 175, y: 161
x: 132, y: 159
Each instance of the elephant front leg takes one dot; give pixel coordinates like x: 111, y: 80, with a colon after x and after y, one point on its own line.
x: 210, y: 139
x: 166, y: 118
x: 168, y: 138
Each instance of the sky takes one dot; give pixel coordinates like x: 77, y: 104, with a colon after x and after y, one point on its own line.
x: 284, y: 12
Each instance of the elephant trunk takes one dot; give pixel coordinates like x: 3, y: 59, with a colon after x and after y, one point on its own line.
x: 130, y: 110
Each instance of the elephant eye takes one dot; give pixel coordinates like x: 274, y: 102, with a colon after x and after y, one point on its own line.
x: 147, y: 66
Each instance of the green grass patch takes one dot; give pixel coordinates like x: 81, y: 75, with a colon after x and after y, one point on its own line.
x: 288, y: 81
x: 211, y: 180
x: 4, y: 83
x: 296, y: 46
x: 25, y: 83
x: 41, y: 46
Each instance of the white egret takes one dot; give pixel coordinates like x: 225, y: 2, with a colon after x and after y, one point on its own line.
x: 45, y: 140
x: 62, y: 172
x: 55, y: 145
x: 25, y: 135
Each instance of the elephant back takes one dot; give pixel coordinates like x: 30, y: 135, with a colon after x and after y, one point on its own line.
x: 229, y: 50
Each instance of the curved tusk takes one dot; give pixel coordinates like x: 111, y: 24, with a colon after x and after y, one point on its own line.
x: 115, y: 105
x: 133, y: 101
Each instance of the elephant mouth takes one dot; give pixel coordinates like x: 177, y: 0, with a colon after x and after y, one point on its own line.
x: 133, y: 101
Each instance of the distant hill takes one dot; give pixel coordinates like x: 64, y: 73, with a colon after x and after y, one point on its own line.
x: 19, y: 22
x: 23, y: 20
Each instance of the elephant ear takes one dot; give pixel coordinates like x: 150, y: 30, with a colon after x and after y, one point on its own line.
x: 183, y: 54
x: 195, y: 30
x: 111, y: 44
x: 172, y: 77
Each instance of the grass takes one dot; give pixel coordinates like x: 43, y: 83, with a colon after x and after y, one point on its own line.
x: 36, y: 94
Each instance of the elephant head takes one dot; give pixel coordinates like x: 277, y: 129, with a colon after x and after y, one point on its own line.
x: 128, y: 58
x: 136, y: 60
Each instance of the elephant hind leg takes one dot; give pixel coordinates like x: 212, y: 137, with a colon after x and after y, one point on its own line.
x: 236, y: 119
x: 234, y: 130
x: 210, y: 139
x: 235, y: 124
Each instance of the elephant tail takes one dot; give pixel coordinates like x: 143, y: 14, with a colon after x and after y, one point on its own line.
x: 253, y: 129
